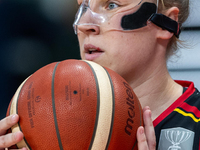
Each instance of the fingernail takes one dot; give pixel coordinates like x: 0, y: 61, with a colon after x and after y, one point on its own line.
x: 147, y: 108
x: 15, y: 135
x: 142, y: 131
x: 14, y: 118
x: 150, y: 114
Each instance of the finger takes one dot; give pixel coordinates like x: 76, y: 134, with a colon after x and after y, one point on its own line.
x: 7, y: 123
x: 141, y: 138
x: 146, y: 108
x: 18, y: 149
x: 10, y: 139
x: 149, y: 129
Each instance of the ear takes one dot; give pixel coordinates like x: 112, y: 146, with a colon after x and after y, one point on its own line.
x: 173, y: 14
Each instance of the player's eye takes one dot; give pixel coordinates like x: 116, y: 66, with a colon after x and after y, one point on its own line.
x: 112, y: 5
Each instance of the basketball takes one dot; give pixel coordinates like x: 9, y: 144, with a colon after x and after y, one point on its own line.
x: 76, y: 105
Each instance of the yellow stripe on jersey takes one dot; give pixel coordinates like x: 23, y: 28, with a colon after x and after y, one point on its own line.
x: 187, y: 114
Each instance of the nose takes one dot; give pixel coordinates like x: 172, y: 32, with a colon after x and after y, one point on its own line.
x: 88, y: 29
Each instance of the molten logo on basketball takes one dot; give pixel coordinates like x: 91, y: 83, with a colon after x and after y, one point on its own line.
x: 131, y: 109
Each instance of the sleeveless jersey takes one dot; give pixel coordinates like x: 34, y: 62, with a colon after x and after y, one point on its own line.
x: 178, y: 127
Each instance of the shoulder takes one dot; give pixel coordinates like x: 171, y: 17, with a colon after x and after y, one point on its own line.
x: 191, y: 107
x: 194, y: 99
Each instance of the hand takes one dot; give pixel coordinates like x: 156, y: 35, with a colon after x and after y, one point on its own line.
x: 7, y: 140
x: 146, y: 135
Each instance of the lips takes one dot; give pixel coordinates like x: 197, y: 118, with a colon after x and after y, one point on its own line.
x: 89, y: 48
x: 92, y: 52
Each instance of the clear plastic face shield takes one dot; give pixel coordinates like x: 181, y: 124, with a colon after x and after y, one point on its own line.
x: 120, y: 15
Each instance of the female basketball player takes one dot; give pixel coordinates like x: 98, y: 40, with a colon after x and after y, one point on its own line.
x: 135, y: 38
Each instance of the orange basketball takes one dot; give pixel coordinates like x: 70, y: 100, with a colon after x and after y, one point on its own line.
x: 76, y: 105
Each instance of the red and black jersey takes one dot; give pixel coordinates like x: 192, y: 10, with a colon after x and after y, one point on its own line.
x: 178, y: 127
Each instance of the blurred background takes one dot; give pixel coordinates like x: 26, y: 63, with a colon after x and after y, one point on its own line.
x: 185, y: 65
x: 34, y: 33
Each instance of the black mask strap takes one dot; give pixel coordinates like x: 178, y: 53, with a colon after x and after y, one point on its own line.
x: 166, y: 23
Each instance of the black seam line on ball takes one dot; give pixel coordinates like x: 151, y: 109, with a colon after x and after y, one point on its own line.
x: 113, y: 109
x: 54, y: 107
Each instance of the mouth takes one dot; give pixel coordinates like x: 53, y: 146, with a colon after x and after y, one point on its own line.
x: 91, y: 49
x: 92, y: 52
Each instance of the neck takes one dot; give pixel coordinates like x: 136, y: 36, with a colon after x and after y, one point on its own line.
x: 157, y: 90
x: 158, y: 95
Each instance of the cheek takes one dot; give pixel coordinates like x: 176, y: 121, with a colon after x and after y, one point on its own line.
x: 124, y: 53
x: 129, y: 50
x: 121, y: 40
x: 80, y: 37
x: 124, y: 45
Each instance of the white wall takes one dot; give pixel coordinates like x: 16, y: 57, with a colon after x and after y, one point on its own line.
x: 185, y: 65
x: 194, y: 19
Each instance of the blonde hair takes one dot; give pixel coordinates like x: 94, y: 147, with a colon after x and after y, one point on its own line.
x: 183, y: 6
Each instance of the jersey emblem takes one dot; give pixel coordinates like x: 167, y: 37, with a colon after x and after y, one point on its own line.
x: 176, y: 139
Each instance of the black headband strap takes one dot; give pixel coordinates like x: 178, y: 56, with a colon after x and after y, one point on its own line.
x: 166, y: 23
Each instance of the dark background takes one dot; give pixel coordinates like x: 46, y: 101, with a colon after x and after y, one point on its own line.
x: 33, y: 33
